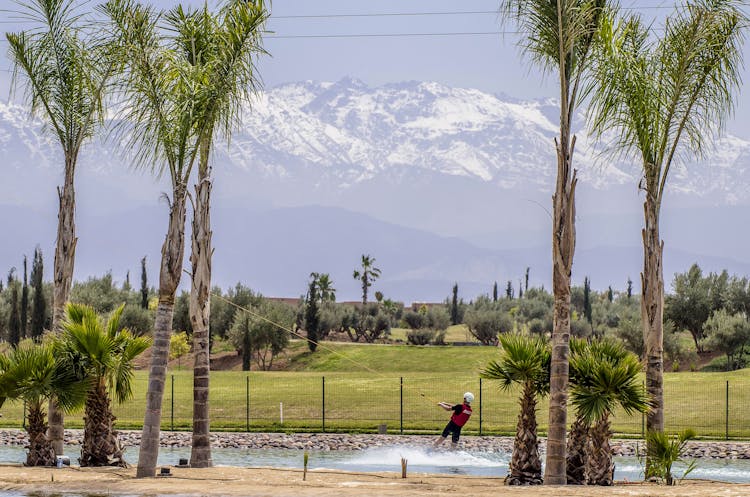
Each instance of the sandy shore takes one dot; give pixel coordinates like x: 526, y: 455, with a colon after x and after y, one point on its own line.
x: 262, y: 482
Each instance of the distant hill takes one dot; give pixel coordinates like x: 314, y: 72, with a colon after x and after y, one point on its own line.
x: 439, y: 184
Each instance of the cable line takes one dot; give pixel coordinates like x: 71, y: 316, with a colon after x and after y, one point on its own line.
x: 318, y: 344
x: 441, y: 13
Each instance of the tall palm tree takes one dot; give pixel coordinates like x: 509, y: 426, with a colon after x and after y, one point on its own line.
x: 165, y: 95
x: 65, y: 71
x: 32, y: 373
x: 558, y: 35
x: 604, y: 376
x: 103, y: 352
x: 222, y: 48
x: 665, y: 98
x: 525, y: 361
x: 366, y: 276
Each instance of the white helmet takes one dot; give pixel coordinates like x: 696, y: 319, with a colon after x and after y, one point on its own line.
x: 469, y: 397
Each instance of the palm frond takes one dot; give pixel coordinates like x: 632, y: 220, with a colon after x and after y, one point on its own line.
x: 63, y: 70
x: 655, y: 92
x: 522, y: 359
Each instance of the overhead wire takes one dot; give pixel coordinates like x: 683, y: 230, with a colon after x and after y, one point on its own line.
x: 317, y: 343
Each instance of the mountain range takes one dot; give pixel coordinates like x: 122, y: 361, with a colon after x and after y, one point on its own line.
x: 439, y: 184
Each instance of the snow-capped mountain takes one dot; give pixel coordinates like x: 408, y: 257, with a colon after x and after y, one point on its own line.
x: 450, y: 161
x: 347, y: 133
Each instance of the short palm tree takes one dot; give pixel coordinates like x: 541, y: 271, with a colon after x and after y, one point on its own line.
x: 65, y: 71
x: 104, y: 353
x: 524, y: 361
x: 579, y: 433
x: 32, y: 373
x: 605, y: 376
x: 662, y: 99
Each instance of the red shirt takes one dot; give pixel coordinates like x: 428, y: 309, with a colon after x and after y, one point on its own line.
x: 461, y: 414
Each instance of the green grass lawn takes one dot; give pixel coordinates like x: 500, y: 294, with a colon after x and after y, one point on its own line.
x: 368, y: 385
x: 455, y: 333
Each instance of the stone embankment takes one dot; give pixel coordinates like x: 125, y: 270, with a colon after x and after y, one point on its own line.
x: 337, y: 441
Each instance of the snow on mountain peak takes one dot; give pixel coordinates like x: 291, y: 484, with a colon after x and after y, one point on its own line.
x: 346, y: 132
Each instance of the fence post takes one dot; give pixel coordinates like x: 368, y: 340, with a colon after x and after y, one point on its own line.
x: 324, y: 404
x: 172, y: 409
x: 247, y: 403
x: 401, y: 409
x: 726, y: 414
x: 480, y: 407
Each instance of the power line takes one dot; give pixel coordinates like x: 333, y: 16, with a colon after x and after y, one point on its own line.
x: 271, y: 36
x: 442, y: 13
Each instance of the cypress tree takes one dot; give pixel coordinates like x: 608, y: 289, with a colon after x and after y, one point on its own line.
x: 587, y: 300
x: 630, y: 288
x: 509, y: 290
x: 312, y: 317
x: 610, y: 294
x: 126, y: 286
x: 494, y: 292
x: 520, y: 289
x: 14, y: 321
x: 24, y: 299
x: 454, y: 305
x: 144, y: 284
x: 527, y: 279
x: 39, y: 306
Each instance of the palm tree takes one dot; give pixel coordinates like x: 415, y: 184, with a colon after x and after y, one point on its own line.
x: 604, y: 375
x: 32, y: 373
x: 325, y: 287
x: 65, y: 71
x: 222, y: 48
x: 664, y: 98
x: 559, y: 35
x: 524, y: 360
x: 103, y: 353
x: 165, y: 96
x: 367, y: 276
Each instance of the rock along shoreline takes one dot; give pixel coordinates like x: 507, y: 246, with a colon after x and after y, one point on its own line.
x: 354, y: 442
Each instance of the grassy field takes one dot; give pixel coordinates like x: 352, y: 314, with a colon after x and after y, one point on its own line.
x: 455, y: 333
x: 368, y: 385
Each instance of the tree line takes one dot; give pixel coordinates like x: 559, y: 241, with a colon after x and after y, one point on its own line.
x: 713, y: 308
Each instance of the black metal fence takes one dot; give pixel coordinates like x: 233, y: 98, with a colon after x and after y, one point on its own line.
x: 352, y: 402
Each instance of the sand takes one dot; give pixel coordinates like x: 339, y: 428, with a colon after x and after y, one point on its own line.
x: 272, y: 482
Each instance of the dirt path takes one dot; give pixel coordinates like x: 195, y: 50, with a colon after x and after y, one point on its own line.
x: 270, y: 482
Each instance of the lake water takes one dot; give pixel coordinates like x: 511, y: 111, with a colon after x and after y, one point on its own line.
x: 420, y: 460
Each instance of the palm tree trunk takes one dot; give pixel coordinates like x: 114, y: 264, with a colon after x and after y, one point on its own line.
x: 525, y: 464
x: 65, y: 249
x: 576, y: 452
x: 563, y: 247
x: 652, y: 313
x: 600, y: 470
x: 169, y: 278
x: 100, y: 444
x: 40, y: 452
x: 200, y: 312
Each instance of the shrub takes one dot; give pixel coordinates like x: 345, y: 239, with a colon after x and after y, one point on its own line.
x: 421, y: 336
x: 414, y: 320
x: 486, y: 325
x: 664, y: 451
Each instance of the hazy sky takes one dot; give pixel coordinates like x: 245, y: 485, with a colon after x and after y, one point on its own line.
x: 323, y: 40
